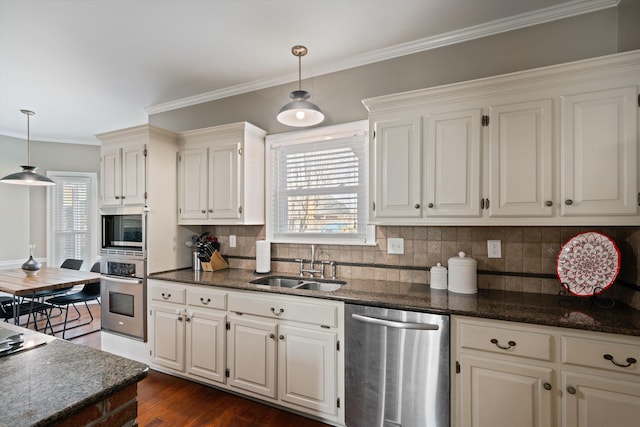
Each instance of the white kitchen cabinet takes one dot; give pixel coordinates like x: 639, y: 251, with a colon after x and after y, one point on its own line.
x: 287, y: 348
x: 452, y: 163
x: 397, y: 175
x: 123, y: 175
x: 221, y: 175
x: 599, y: 140
x: 252, y: 355
x: 189, y: 330
x: 487, y: 383
x: 550, y: 146
x: 138, y: 167
x: 507, y: 373
x: 307, y: 368
x: 594, y: 401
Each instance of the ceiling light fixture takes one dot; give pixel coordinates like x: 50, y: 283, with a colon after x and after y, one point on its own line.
x: 300, y: 112
x: 28, y: 175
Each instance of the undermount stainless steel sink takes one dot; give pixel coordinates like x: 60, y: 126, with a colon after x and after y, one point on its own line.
x: 300, y: 283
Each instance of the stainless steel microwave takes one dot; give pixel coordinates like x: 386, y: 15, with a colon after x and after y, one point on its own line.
x: 124, y: 228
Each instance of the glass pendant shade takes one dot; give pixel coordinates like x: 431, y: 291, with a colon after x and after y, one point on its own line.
x: 28, y: 175
x: 300, y: 112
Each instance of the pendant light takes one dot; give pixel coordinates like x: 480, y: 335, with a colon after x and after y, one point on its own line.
x: 300, y: 112
x: 28, y: 176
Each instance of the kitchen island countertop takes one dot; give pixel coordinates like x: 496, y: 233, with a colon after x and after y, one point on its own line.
x: 55, y: 381
x: 541, y: 309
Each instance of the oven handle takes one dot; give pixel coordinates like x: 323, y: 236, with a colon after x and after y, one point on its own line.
x: 395, y: 324
x: 120, y: 279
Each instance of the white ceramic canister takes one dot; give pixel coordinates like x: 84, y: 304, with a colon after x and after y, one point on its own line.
x: 438, y: 277
x: 463, y: 274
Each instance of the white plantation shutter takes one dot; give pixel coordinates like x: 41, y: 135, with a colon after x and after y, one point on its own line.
x: 319, y: 189
x: 72, y: 230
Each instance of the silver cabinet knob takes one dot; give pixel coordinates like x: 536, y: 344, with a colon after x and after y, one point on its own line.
x: 203, y: 211
x: 568, y: 202
x: 210, y: 210
x: 417, y: 206
x: 571, y: 390
x: 272, y: 336
x: 281, y: 337
x: 547, y: 386
x: 430, y: 205
x: 548, y: 203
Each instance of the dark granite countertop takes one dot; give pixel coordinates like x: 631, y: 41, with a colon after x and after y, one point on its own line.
x: 541, y: 309
x: 53, y: 381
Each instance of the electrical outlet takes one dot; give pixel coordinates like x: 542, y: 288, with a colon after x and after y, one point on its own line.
x: 232, y: 241
x: 494, y: 249
x: 395, y: 246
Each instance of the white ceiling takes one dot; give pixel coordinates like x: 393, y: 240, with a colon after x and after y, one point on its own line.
x: 92, y: 66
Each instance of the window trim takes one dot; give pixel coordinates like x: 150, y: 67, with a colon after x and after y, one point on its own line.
x: 344, y: 130
x: 93, y: 218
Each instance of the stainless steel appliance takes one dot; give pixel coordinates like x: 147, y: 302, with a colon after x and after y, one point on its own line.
x: 123, y: 228
x: 123, y: 293
x: 397, y: 368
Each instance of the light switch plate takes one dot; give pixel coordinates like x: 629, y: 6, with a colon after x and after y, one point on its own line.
x: 395, y: 246
x: 494, y: 248
x: 232, y: 241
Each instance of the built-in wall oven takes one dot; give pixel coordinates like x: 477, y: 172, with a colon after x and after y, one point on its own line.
x: 123, y: 293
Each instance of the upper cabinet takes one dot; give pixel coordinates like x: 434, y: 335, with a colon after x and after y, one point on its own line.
x: 551, y: 146
x: 221, y: 175
x: 123, y: 175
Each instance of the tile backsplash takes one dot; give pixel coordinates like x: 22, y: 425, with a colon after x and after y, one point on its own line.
x: 528, y: 262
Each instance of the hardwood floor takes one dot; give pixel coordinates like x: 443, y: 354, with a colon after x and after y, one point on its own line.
x: 164, y: 400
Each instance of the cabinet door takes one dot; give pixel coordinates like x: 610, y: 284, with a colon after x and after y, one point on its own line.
x: 192, y: 184
x: 168, y: 337
x: 520, y: 159
x: 206, y: 344
x: 599, y: 153
x: 452, y: 163
x: 133, y: 175
x: 397, y: 173
x: 252, y: 354
x: 307, y: 368
x: 111, y: 177
x: 592, y: 401
x: 224, y: 181
x: 495, y: 393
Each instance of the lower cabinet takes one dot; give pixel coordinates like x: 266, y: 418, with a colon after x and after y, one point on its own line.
x: 279, y: 348
x: 513, y: 374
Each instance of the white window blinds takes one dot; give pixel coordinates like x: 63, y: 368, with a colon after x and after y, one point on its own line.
x: 72, y: 218
x: 319, y: 189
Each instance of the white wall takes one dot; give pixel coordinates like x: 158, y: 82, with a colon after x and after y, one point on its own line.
x: 23, y: 208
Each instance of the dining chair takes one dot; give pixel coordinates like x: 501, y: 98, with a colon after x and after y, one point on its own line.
x: 89, y: 292
x: 71, y: 264
x: 27, y: 308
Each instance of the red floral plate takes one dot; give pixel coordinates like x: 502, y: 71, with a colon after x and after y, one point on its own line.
x: 588, y: 263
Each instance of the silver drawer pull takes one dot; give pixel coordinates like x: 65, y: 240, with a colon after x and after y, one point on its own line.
x: 630, y: 361
x: 165, y: 296
x: 509, y: 344
x: 205, y: 302
x: 280, y: 311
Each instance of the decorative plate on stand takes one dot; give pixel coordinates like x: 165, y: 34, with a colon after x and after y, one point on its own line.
x: 588, y: 263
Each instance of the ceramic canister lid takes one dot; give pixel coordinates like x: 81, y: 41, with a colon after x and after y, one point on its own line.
x: 461, y: 260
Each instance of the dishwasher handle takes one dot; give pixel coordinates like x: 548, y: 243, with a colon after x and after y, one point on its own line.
x: 395, y: 323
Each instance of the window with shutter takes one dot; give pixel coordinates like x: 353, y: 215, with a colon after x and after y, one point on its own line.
x: 72, y: 218
x: 318, y: 186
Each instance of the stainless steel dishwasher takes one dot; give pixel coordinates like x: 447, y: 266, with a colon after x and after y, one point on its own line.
x: 397, y: 368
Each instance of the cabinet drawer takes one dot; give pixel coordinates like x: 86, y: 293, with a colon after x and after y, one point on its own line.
x: 512, y: 342
x: 207, y: 298
x: 601, y: 354
x: 285, y: 309
x: 168, y: 293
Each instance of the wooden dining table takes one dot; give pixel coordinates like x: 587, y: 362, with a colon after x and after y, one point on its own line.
x: 14, y: 281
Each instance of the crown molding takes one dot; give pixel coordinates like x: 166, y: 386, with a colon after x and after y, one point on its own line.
x: 554, y: 13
